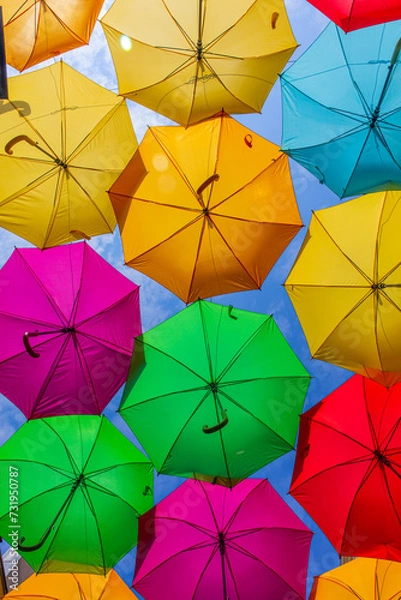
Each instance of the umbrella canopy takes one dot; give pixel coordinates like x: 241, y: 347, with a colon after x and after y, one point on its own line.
x: 36, y: 30
x: 362, y: 578
x: 342, y: 110
x: 61, y: 151
x: 68, y: 321
x: 72, y: 586
x: 190, y: 60
x: 350, y: 313
x: 240, y: 544
x: 213, y: 213
x: 214, y: 390
x: 347, y: 473
x: 355, y: 14
x: 81, y: 486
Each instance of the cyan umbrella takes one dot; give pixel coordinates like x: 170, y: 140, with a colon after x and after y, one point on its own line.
x: 342, y: 109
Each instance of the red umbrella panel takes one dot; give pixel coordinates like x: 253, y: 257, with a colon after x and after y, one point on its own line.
x: 347, y: 472
x: 68, y: 321
x: 356, y: 14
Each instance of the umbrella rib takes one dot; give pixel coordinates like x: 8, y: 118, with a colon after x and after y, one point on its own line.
x: 341, y: 433
x: 156, y: 203
x: 202, y: 573
x: 248, y: 554
x: 85, y: 369
x: 356, y: 164
x: 123, y: 409
x: 188, y: 294
x: 267, y: 378
x: 232, y: 575
x: 179, y: 27
x: 49, y: 297
x: 210, y: 506
x: 390, y: 496
x: 105, y: 343
x: 88, y: 499
x: 101, y: 421
x: 204, y: 329
x: 231, y: 520
x: 354, y: 83
x: 193, y: 525
x: 74, y: 466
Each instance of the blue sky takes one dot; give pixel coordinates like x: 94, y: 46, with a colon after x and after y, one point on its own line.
x: 157, y: 304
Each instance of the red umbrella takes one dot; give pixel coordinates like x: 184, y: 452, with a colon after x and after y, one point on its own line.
x: 348, y: 468
x: 355, y: 14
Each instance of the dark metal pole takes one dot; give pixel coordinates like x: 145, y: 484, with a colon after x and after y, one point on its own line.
x: 3, y: 66
x: 222, y: 548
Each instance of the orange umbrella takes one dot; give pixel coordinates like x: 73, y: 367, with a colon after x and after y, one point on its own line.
x: 214, y: 211
x: 36, y: 30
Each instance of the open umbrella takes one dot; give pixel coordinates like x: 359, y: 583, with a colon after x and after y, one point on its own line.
x: 78, y: 486
x: 350, y: 312
x: 214, y: 211
x: 72, y: 586
x: 190, y: 60
x: 361, y: 579
x: 36, y: 30
x: 68, y: 321
x: 342, y: 109
x: 61, y: 150
x: 355, y: 14
x: 214, y: 390
x: 347, y: 473
x: 205, y: 541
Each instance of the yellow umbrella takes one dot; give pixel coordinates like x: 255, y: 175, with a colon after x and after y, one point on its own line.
x: 35, y: 30
x: 63, y: 141
x: 213, y: 213
x: 188, y: 60
x: 361, y: 579
x: 346, y: 286
x: 72, y: 586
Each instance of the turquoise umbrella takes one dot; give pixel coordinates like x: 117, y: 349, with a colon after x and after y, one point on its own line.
x: 342, y: 109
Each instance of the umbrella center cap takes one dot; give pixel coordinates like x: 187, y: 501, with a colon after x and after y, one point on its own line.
x: 213, y: 387
x: 222, y: 543
x: 378, y: 286
x: 78, y: 482
x: 199, y: 50
x: 68, y: 330
x: 206, y: 212
x: 382, y: 458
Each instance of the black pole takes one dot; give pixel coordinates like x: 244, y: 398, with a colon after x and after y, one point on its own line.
x: 222, y: 548
x: 3, y: 67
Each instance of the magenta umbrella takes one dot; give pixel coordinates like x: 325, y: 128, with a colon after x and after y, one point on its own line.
x: 67, y: 321
x: 207, y: 541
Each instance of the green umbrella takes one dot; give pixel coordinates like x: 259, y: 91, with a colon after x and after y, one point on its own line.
x: 72, y: 489
x: 214, y: 391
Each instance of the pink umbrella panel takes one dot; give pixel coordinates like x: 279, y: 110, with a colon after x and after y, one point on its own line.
x: 68, y: 321
x: 207, y: 541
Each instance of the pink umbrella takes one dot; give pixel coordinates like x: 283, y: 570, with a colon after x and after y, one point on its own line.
x: 67, y: 321
x: 207, y: 541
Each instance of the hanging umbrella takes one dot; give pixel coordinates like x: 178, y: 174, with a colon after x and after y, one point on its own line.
x: 81, y: 486
x: 68, y: 321
x: 363, y: 579
x: 61, y: 150
x: 36, y: 30
x: 214, y: 390
x: 205, y: 541
x: 214, y: 212
x: 342, y: 109
x: 72, y: 586
x: 350, y: 312
x: 190, y: 60
x: 347, y: 473
x: 355, y: 14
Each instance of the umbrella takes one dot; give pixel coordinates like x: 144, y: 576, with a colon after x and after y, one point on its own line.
x: 190, y: 60
x: 350, y: 312
x: 61, y: 151
x: 363, y: 579
x: 214, y: 212
x: 36, y: 30
x: 214, y: 390
x: 342, y: 110
x: 205, y: 541
x: 347, y: 473
x: 72, y: 586
x: 68, y: 321
x: 355, y: 14
x: 77, y: 486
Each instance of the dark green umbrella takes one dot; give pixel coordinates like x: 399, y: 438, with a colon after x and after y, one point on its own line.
x: 72, y: 489
x: 214, y: 391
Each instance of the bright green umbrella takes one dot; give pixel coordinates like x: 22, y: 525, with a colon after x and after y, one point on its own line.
x: 214, y: 391
x: 72, y: 489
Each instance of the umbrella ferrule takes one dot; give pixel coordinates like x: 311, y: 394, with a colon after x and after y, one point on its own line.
x: 199, y: 50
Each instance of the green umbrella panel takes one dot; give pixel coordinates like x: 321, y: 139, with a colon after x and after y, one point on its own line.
x: 214, y: 391
x: 73, y: 488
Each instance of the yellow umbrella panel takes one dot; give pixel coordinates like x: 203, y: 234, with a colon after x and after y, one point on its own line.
x: 35, y: 30
x: 346, y: 286
x: 63, y: 141
x: 214, y: 211
x: 72, y: 586
x: 192, y: 59
x: 360, y: 579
